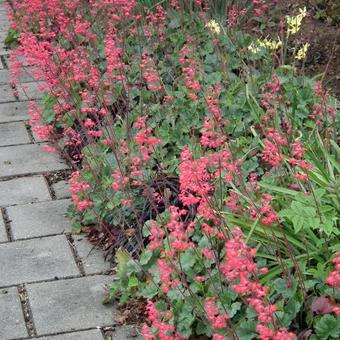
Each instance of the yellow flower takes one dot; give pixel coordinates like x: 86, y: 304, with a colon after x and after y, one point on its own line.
x: 253, y: 48
x: 301, y: 54
x: 213, y: 26
x: 269, y: 44
x: 264, y: 43
x: 294, y: 23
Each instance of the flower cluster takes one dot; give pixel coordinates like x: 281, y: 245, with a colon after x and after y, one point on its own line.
x: 241, y: 270
x: 79, y: 188
x: 189, y: 68
x: 294, y: 22
x: 333, y: 278
x: 163, y: 329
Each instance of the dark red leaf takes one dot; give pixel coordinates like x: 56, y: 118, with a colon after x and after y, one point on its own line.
x: 305, y: 334
x: 322, y: 305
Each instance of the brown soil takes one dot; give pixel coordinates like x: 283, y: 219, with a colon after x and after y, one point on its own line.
x: 132, y: 312
x: 57, y: 176
x: 323, y: 57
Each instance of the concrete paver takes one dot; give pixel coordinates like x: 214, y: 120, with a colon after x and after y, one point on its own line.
x: 13, y: 133
x: 61, y: 189
x: 28, y: 75
x: 3, y: 234
x: 94, y: 334
x: 28, y: 159
x: 35, y: 260
x: 3, y: 35
x: 91, y: 257
x: 10, y: 112
x: 25, y: 76
x: 4, y: 76
x: 29, y: 91
x: 34, y: 220
x: 12, y: 324
x: 6, y: 93
x: 4, y: 21
x: 69, y: 304
x: 23, y: 190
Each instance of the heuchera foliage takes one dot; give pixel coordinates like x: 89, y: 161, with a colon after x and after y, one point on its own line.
x: 201, y: 153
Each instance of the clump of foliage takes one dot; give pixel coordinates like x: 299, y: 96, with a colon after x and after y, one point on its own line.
x: 201, y: 154
x: 327, y: 10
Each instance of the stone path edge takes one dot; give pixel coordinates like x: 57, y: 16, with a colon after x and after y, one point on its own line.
x: 22, y: 187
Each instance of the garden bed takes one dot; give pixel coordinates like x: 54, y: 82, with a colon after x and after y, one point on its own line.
x: 205, y: 156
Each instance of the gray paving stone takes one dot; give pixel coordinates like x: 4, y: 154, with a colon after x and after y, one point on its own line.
x: 3, y: 234
x: 36, y: 259
x: 28, y: 91
x: 39, y: 219
x: 70, y: 304
x: 61, y: 189
x: 23, y: 62
x: 4, y: 76
x: 23, y: 190
x: 3, y: 49
x: 27, y: 159
x: 13, y: 111
x: 13, y: 133
x: 94, y: 334
x: 12, y: 324
x: 92, y: 258
x: 4, y: 26
x: 28, y: 75
x: 4, y: 20
x: 25, y: 76
x: 6, y: 93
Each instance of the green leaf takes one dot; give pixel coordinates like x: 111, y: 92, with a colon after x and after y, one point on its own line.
x: 113, y: 291
x: 234, y: 308
x: 290, y: 312
x: 133, y: 282
x: 246, y: 330
x: 76, y: 227
x: 278, y: 189
x: 48, y: 114
x: 174, y: 23
x: 185, y: 320
x: 122, y: 258
x: 187, y: 260
x: 201, y: 328
x: 124, y: 298
x: 328, y: 225
x: 11, y: 39
x: 285, y: 288
x: 150, y: 290
x: 328, y: 327
x: 146, y: 228
x: 145, y: 257
x: 302, y: 216
x: 132, y: 267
